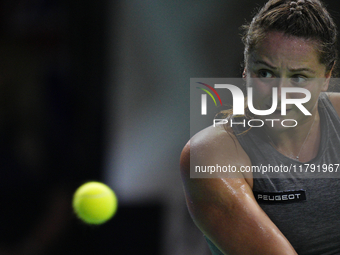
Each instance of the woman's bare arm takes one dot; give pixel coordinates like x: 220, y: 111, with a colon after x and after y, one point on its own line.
x: 224, y: 208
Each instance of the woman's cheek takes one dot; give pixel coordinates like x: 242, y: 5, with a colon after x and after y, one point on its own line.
x: 259, y: 95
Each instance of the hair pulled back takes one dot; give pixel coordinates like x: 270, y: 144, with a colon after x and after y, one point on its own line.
x: 306, y: 19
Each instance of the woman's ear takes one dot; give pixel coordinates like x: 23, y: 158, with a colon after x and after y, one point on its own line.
x: 328, y: 76
x: 329, y: 73
x: 244, y: 74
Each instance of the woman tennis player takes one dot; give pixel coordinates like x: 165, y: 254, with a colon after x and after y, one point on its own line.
x: 287, y: 44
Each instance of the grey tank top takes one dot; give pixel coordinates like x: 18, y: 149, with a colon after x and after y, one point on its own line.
x: 306, y: 210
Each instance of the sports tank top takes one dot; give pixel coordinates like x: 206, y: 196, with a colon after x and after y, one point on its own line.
x: 303, y: 204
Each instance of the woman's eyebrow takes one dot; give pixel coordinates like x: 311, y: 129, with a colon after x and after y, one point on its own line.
x: 261, y: 62
x: 303, y: 69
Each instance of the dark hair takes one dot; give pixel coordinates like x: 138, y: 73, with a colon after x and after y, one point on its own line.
x: 307, y: 19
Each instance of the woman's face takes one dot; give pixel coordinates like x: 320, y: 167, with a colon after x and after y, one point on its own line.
x: 285, y: 61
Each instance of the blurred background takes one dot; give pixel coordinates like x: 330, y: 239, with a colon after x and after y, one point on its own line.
x: 99, y: 90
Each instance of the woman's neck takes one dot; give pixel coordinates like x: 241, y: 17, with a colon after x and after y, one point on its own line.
x: 300, y: 143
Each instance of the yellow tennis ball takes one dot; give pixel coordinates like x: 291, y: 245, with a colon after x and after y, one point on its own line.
x: 95, y: 203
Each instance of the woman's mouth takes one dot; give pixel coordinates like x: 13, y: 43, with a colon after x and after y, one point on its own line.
x: 278, y: 111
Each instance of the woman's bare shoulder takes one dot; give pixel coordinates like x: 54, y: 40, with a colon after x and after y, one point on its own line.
x: 213, y: 146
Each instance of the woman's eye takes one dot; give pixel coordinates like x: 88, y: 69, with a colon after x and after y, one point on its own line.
x: 299, y: 79
x: 265, y: 74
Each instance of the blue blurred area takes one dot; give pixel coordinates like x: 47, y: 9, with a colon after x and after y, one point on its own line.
x: 160, y: 45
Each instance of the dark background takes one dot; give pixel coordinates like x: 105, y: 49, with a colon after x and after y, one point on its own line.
x: 99, y: 90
